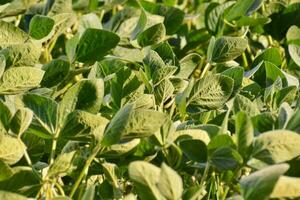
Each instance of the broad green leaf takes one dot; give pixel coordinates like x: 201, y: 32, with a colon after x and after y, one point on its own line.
x: 89, y: 193
x: 286, y: 187
x: 225, y: 158
x: 24, y: 181
x: 40, y: 26
x: 121, y: 149
x: 213, y: 15
x: 164, y: 91
x: 85, y: 95
x: 5, y: 117
x: 60, y: 6
x: 117, y: 126
x: 55, y: 72
x: 94, y: 44
x: 2, y: 64
x: 111, y: 172
x: 5, y: 171
x: 241, y: 8
x: 271, y: 55
x: 143, y: 123
x: 20, y: 79
x: 293, y: 34
x: 170, y: 183
x: 187, y: 65
x: 152, y: 35
x: 44, y: 109
x: 23, y: 54
x: 80, y: 125
x: 11, y: 149
x: 146, y: 175
x: 259, y: 185
x: 90, y: 20
x: 62, y: 164
x: 187, y: 134
x: 228, y: 48
x: 4, y: 195
x: 276, y: 146
x: 242, y: 103
x: 21, y: 121
x: 162, y: 74
x: 245, y: 133
x: 141, y: 24
x: 9, y: 34
x: 211, y: 92
x: 194, y: 149
x: 237, y: 74
x: 220, y: 141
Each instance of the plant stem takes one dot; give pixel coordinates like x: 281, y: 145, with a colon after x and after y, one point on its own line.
x: 245, y: 61
x: 206, y: 68
x: 205, y: 173
x: 85, y: 169
x: 53, y: 149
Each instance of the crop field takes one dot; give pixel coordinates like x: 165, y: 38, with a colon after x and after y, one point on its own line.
x: 149, y: 99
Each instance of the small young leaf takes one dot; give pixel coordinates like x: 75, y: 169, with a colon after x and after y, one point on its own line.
x: 40, y: 26
x: 228, y: 48
x: 94, y: 44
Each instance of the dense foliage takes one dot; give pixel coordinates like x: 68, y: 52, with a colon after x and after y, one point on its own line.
x: 149, y: 99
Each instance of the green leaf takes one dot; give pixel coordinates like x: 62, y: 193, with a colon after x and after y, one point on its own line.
x: 259, y: 185
x: 187, y: 65
x: 5, y: 171
x: 170, y: 183
x: 143, y: 123
x: 228, y: 48
x: 44, y: 109
x: 90, y: 20
x: 286, y: 187
x: 11, y: 149
x: 146, y: 175
x: 152, y: 35
x: 89, y: 193
x: 117, y: 126
x: 85, y: 95
x: 94, y: 44
x: 4, y: 195
x: 225, y: 158
x: 241, y: 8
x: 20, y: 79
x: 294, y: 49
x: 121, y: 149
x: 81, y: 125
x: 276, y: 146
x: 213, y: 15
x: 211, y: 92
x: 112, y: 173
x: 164, y: 91
x: 55, y: 72
x: 40, y: 26
x: 245, y: 133
x: 62, y: 164
x: 140, y: 26
x: 21, y: 121
x: 5, y: 117
x: 242, y: 103
x: 194, y: 149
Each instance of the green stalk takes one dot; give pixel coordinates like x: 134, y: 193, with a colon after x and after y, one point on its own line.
x: 205, y: 70
x: 85, y: 169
